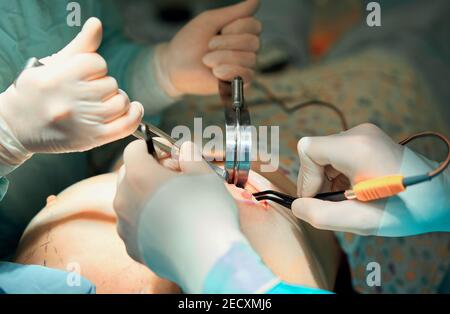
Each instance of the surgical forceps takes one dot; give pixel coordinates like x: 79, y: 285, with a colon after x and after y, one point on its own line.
x: 147, y: 132
x: 143, y: 132
x: 287, y: 200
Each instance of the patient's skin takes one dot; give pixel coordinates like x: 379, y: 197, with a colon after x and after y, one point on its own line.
x: 78, y: 227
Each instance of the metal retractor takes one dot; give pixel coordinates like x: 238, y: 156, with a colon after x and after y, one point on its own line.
x: 238, y: 132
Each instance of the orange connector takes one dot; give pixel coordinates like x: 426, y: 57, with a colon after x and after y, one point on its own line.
x: 375, y: 189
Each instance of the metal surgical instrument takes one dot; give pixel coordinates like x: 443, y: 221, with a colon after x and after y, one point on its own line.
x: 238, y: 136
x: 287, y: 200
x: 147, y: 132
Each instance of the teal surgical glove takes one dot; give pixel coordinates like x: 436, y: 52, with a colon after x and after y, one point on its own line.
x: 32, y: 279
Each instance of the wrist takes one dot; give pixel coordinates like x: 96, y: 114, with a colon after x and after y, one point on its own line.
x: 12, y: 152
x: 426, y: 205
x: 161, y: 65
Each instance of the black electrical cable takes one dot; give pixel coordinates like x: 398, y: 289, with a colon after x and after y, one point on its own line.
x: 430, y: 175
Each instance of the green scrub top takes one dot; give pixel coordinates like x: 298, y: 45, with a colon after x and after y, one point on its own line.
x: 40, y: 28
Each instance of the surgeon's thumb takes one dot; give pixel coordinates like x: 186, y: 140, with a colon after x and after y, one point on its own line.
x: 224, y: 16
x: 136, y: 155
x: 88, y: 39
x: 317, y: 213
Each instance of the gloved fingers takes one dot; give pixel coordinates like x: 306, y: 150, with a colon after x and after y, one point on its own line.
x: 191, y: 160
x: 101, y: 89
x: 88, y: 40
x: 107, y: 111
x: 347, y: 216
x: 115, y: 107
x: 170, y: 163
x: 217, y: 58
x: 224, y: 16
x: 86, y: 66
x: 311, y: 176
x: 138, y: 161
x: 168, y: 159
x: 121, y: 127
x: 142, y: 170
x: 240, y: 42
x: 228, y: 72
x: 246, y: 25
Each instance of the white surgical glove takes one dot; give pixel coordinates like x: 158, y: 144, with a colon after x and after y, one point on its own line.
x: 177, y: 224
x: 217, y: 44
x: 365, y: 152
x: 67, y: 105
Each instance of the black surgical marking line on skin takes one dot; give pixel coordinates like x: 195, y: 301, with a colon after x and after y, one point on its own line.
x: 56, y: 250
x: 45, y: 262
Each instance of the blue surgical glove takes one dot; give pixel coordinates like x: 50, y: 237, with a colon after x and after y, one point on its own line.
x: 33, y: 279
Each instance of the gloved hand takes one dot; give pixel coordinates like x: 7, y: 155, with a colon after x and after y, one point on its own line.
x: 217, y: 44
x: 333, y: 163
x: 163, y: 227
x: 67, y: 105
x: 34, y: 279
